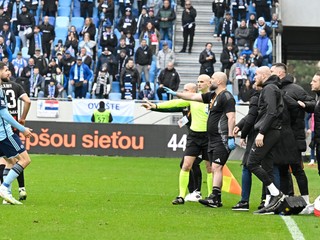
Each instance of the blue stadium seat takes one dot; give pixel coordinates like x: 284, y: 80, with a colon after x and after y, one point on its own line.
x: 115, y: 88
x: 76, y: 3
x: 65, y: 3
x: 114, y: 96
x: 76, y: 11
x: 78, y: 23
x: 117, y: 33
x: 95, y: 20
x: 64, y: 11
x: 62, y: 22
x: 24, y: 52
x: 52, y: 21
x: 61, y: 33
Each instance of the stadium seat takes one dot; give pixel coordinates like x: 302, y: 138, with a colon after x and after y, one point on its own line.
x: 115, y: 88
x: 76, y: 3
x: 62, y: 22
x: 65, y: 3
x: 52, y: 21
x: 24, y: 52
x: 61, y: 33
x: 76, y: 11
x: 114, y: 96
x: 78, y: 23
x: 117, y: 33
x: 64, y: 11
x: 143, y: 84
x: 95, y: 20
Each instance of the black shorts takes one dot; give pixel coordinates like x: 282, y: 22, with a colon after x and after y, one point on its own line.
x: 218, y: 153
x: 197, y: 144
x: 11, y: 147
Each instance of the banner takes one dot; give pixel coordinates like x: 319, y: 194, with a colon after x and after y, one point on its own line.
x: 48, y: 108
x: 122, y: 111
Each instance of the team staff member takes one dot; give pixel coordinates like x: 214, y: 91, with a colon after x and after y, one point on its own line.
x: 13, y: 92
x: 268, y: 126
x: 189, y: 15
x: 220, y: 125
x: 10, y: 144
x: 197, y: 140
x: 101, y: 115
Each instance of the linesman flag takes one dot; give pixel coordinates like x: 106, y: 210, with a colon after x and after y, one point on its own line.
x: 230, y: 184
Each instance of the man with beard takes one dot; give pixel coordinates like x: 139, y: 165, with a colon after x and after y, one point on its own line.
x: 11, y: 146
x: 13, y: 92
x: 220, y: 125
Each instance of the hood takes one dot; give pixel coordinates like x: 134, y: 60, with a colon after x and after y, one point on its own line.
x: 273, y: 79
x: 288, y: 79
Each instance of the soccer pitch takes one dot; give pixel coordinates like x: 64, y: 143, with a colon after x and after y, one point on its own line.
x: 92, y: 197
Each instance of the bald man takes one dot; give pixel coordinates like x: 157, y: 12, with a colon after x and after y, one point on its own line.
x: 197, y: 141
x: 220, y: 125
x: 268, y: 126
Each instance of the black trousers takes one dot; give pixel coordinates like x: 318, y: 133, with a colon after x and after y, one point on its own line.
x: 188, y: 32
x: 264, y: 12
x: 86, y: 9
x: 260, y: 159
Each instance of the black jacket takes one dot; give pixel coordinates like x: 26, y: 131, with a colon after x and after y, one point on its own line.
x: 219, y: 8
x: 207, y: 65
x: 169, y: 78
x: 317, y: 120
x: 143, y: 56
x: 189, y: 17
x: 270, y: 106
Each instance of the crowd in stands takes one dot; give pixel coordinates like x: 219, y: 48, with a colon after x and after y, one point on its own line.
x: 246, y: 29
x: 93, y: 48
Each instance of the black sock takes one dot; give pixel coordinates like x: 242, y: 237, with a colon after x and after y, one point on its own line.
x: 2, y: 166
x: 20, y: 179
x: 216, y: 191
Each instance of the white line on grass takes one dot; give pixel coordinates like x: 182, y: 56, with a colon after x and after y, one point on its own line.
x: 293, y: 228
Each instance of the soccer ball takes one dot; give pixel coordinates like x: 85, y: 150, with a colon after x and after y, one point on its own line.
x: 317, y: 207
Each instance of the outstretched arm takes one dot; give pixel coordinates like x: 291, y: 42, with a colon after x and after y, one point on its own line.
x: 186, y: 96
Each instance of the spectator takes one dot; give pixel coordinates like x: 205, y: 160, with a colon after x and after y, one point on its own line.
x: 152, y: 36
x: 60, y: 79
x: 122, y: 46
x: 129, y: 74
x: 72, y: 43
x: 67, y: 62
x: 127, y: 22
x: 86, y: 8
x: 219, y: 8
x: 32, y: 5
x: 3, y: 16
x: 108, y: 39
x: 36, y: 84
x: 246, y: 52
x: 238, y: 75
x: 101, y: 115
x: 228, y: 57
x: 130, y: 42
x: 242, y: 35
x: 253, y: 29
x: 59, y: 48
x: 15, y: 11
x: 239, y: 9
x: 142, y: 20
x: 276, y: 25
x: 9, y: 37
x: 252, y: 72
x: 49, y: 7
x: 73, y: 29
x: 106, y: 11
x: 227, y: 28
x: 102, y: 84
x: 18, y: 63
x: 168, y: 77
x: 10, y: 66
x: 165, y: 56
x: 80, y: 74
x: 189, y: 15
x: 155, y: 5
x: 263, y: 43
x: 88, y: 27
x: 166, y: 17
x: 51, y: 89
x: 52, y: 67
x: 88, y: 44
x: 141, y: 5
x: 121, y: 59
x: 146, y: 93
x: 207, y: 58
x: 143, y: 59
x: 263, y: 25
x: 124, y: 4
x: 108, y: 59
x: 48, y: 35
x: 153, y: 19
x: 262, y: 8
x: 25, y: 24
x: 86, y: 57
x: 4, y: 50
x: 256, y: 58
x: 35, y: 40
x: 40, y: 61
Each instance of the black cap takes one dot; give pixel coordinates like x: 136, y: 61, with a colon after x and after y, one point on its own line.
x: 6, y: 23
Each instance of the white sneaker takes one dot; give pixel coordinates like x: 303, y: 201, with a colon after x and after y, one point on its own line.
x: 6, y: 195
x: 4, y: 202
x: 311, y: 162
x: 309, y: 209
x: 195, y: 196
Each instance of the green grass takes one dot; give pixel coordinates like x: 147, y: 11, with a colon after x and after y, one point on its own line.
x: 89, y: 197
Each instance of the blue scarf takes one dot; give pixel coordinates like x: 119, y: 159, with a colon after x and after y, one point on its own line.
x: 78, y: 75
x: 4, y: 4
x: 18, y: 65
x: 51, y: 90
x: 37, y: 41
x: 14, y: 10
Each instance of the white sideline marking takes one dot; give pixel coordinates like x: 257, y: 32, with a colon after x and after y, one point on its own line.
x: 293, y: 228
